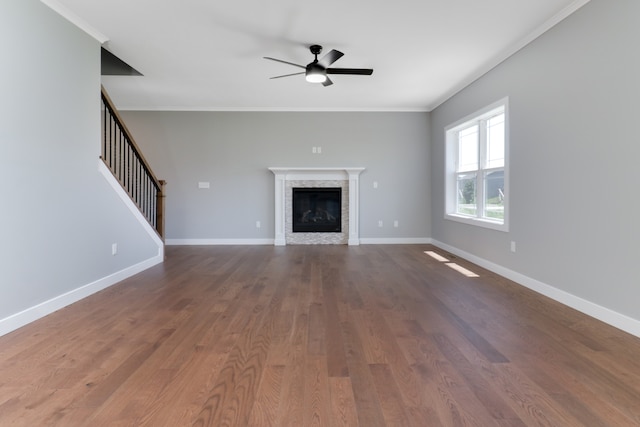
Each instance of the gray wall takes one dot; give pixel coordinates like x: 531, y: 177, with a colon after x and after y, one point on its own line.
x: 574, y: 158
x: 58, y: 216
x: 232, y: 151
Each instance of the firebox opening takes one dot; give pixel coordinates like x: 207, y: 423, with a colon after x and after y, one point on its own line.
x: 317, y: 210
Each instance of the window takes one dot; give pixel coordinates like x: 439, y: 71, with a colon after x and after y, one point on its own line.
x: 476, y: 156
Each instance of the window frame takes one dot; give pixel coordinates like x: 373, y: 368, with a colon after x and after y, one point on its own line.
x: 452, y: 173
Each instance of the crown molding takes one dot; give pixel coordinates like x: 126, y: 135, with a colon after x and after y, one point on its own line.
x: 510, y: 51
x: 67, y: 14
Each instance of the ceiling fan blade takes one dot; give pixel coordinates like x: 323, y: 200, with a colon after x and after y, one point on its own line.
x: 330, y: 58
x: 354, y: 71
x: 327, y: 82
x: 287, y: 75
x: 284, y: 62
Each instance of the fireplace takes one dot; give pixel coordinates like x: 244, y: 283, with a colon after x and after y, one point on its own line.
x: 317, y: 210
x: 347, y: 179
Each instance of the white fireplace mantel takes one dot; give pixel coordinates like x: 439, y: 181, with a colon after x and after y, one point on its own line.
x: 282, y: 175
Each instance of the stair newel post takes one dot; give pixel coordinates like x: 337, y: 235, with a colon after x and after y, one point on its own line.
x: 160, y: 196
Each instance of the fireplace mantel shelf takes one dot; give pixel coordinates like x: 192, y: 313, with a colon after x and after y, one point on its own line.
x: 311, y: 173
x: 284, y: 174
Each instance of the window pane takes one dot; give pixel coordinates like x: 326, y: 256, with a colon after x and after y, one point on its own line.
x: 468, y: 149
x: 494, y: 195
x: 466, y: 194
x: 495, y: 141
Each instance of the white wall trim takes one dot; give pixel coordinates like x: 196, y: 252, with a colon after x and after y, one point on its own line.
x: 510, y: 51
x: 38, y: 311
x: 363, y: 241
x: 67, y: 14
x: 395, y: 240
x: 613, y: 318
x: 214, y: 242
x: 276, y: 109
x: 43, y: 309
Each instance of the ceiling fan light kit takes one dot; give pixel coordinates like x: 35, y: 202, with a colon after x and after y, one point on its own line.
x: 315, y: 77
x: 317, y: 70
x: 315, y: 73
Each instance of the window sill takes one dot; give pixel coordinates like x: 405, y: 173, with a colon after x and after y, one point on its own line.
x: 478, y: 222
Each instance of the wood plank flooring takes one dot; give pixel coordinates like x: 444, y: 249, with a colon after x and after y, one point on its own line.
x: 318, y: 336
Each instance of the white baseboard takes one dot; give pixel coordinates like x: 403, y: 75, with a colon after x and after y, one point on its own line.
x: 394, y: 240
x: 363, y: 241
x: 213, y: 242
x: 36, y: 312
x: 613, y: 318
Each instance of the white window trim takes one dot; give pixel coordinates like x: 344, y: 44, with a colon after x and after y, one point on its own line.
x: 450, y: 169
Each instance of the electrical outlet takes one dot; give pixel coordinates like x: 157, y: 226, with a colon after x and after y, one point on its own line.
x: 203, y: 185
x: 396, y: 224
x: 314, y: 150
x: 258, y: 225
x: 319, y: 150
x: 513, y: 246
x: 380, y: 223
x: 375, y: 184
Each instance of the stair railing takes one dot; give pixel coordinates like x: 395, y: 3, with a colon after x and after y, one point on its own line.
x: 123, y: 157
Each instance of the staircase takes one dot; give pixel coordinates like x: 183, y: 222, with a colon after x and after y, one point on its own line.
x: 123, y: 157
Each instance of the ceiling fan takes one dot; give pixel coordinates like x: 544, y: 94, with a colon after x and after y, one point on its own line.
x: 318, y: 70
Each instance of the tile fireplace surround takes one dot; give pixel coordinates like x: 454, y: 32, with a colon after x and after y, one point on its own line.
x: 347, y: 178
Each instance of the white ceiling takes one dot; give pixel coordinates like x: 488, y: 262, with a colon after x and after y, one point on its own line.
x: 208, y: 54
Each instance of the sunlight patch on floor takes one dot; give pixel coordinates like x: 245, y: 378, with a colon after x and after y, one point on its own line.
x: 461, y: 269
x: 436, y: 256
x: 453, y: 265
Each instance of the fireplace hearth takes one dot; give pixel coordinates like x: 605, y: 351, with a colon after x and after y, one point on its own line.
x: 317, y: 210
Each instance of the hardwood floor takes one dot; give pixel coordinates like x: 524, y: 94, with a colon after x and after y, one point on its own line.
x: 318, y: 336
